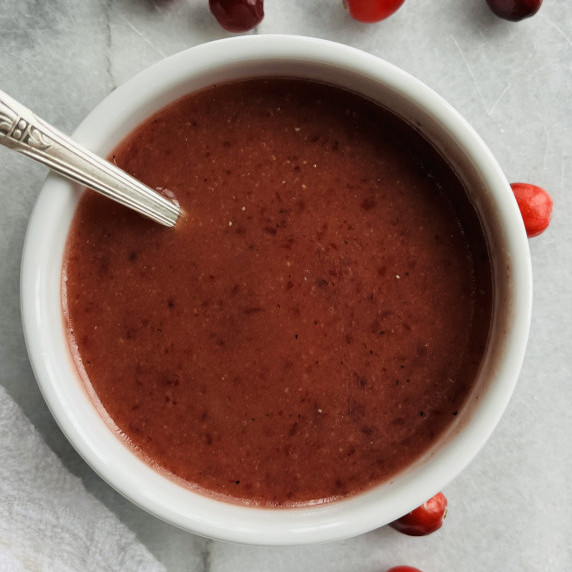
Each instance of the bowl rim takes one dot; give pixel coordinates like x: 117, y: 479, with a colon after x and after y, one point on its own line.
x: 86, y: 429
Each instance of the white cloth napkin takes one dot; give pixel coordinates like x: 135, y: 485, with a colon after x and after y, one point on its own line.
x: 48, y: 521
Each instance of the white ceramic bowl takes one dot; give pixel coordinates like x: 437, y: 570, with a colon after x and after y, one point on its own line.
x: 251, y: 56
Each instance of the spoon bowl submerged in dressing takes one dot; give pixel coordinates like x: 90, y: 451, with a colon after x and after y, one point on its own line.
x: 23, y: 131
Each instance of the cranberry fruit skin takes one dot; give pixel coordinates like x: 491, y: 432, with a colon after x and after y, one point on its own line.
x: 404, y: 569
x: 237, y: 15
x: 370, y: 11
x: 535, y: 206
x: 514, y: 10
x: 425, y: 519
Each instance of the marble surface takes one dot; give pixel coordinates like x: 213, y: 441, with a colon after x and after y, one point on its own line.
x: 510, y: 509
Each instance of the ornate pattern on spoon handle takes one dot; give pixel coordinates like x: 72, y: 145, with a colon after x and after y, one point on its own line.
x: 23, y: 131
x: 17, y: 129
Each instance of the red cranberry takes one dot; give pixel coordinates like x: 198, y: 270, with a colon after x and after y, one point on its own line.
x: 425, y: 519
x: 372, y: 10
x: 535, y: 206
x: 237, y: 15
x: 514, y: 10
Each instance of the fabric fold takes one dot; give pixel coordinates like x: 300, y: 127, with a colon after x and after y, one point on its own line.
x: 48, y: 520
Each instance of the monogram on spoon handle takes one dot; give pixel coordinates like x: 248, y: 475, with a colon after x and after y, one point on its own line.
x: 23, y: 131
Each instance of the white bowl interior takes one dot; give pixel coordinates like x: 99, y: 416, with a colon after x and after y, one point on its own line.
x: 252, y: 56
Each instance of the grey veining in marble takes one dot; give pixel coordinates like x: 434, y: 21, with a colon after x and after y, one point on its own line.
x: 510, y: 509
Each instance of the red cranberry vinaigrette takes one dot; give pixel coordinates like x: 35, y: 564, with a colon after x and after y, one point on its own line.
x: 313, y: 323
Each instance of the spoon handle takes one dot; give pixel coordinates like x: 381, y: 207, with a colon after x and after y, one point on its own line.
x: 23, y: 131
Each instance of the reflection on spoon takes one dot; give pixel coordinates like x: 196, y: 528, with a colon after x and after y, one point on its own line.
x: 23, y: 131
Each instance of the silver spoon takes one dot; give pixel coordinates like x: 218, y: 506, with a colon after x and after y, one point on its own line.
x: 23, y: 131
